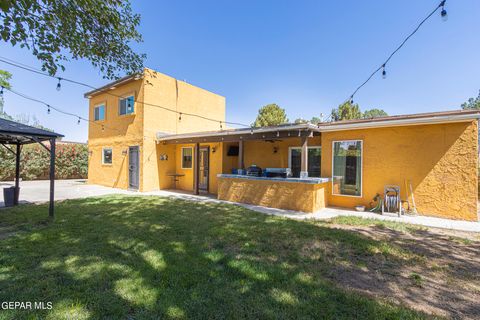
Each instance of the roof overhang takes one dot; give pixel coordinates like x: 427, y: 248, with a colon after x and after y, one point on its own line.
x: 301, y: 130
x: 266, y: 133
x: 113, y: 85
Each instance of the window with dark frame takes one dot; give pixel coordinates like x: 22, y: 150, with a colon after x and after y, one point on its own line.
x: 107, y: 156
x: 187, y: 158
x: 126, y: 105
x: 99, y: 112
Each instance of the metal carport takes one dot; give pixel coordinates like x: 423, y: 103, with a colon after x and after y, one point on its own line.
x: 17, y: 134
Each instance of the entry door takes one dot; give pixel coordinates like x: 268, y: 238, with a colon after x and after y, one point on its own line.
x: 133, y: 168
x: 204, y: 168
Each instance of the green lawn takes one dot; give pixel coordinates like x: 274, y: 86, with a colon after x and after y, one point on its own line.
x: 124, y: 257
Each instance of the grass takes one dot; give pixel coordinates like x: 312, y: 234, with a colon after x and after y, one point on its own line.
x: 122, y: 257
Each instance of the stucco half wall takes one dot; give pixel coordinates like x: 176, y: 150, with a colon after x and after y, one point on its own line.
x: 440, y: 160
x: 306, y: 197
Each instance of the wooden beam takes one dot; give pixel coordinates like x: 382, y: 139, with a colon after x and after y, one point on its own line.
x: 271, y: 136
x: 17, y: 174
x: 196, y: 169
x: 52, y: 179
x: 304, y: 158
x: 241, y: 165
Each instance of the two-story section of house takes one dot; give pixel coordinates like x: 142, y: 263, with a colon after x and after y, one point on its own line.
x: 125, y: 116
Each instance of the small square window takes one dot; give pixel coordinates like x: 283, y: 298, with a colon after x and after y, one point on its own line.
x: 100, y: 112
x: 107, y: 156
x: 126, y: 105
x: 187, y: 158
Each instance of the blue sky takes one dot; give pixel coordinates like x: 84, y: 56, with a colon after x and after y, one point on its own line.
x: 306, y: 56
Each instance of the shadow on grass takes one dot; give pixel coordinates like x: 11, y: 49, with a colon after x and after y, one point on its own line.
x: 149, y: 257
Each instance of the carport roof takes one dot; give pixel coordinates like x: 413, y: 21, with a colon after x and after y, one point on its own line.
x: 12, y: 132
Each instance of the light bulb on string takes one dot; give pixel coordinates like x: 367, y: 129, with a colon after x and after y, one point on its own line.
x: 384, y: 72
x: 221, y: 127
x: 1, y: 93
x: 78, y: 122
x: 180, y: 117
x: 48, y: 109
x: 59, y: 85
x: 443, y: 13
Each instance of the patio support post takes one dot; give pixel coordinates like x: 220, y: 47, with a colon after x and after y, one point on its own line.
x: 240, y: 155
x: 304, y: 158
x: 17, y: 174
x: 52, y: 178
x: 196, y: 169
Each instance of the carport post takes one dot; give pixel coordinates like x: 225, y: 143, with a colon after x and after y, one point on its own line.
x: 52, y: 178
x: 17, y: 174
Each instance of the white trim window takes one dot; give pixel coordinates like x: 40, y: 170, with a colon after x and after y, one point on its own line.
x: 99, y: 112
x: 314, y: 160
x: 347, y: 168
x: 187, y: 157
x: 107, y: 156
x: 126, y: 105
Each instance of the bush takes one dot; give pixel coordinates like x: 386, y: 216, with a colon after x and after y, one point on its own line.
x: 71, y: 162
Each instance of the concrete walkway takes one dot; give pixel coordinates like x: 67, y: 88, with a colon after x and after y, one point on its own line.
x: 38, y: 191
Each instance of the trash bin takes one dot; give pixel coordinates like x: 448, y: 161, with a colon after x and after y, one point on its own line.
x: 10, y: 196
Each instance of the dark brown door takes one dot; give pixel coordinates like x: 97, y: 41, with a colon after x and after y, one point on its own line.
x: 204, y: 168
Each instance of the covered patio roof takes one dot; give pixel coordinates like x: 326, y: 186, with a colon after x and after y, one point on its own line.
x: 18, y: 134
x: 12, y: 132
x: 235, y: 135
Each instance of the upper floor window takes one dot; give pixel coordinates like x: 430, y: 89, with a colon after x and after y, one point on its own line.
x: 126, y: 105
x: 99, y: 112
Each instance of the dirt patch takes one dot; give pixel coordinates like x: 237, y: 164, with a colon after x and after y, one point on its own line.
x: 439, y: 274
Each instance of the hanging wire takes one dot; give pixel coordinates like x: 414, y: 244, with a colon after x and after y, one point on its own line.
x: 383, y: 65
x: 31, y: 69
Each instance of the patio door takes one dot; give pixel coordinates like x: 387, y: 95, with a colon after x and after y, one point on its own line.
x: 133, y: 168
x: 314, y: 160
x: 204, y: 168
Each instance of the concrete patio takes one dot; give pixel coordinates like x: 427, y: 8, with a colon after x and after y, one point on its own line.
x: 38, y: 192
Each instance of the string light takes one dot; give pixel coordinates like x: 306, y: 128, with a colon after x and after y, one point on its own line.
x: 1, y: 92
x: 33, y: 70
x: 221, y: 127
x: 78, y: 122
x: 443, y: 13
x: 444, y: 16
x: 103, y: 127
x: 251, y: 130
x: 180, y: 117
x: 48, y: 109
x: 59, y: 85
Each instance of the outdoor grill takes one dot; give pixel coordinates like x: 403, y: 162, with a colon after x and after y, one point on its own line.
x: 278, y: 172
x: 254, y: 171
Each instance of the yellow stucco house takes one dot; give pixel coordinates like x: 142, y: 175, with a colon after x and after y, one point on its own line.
x: 142, y: 136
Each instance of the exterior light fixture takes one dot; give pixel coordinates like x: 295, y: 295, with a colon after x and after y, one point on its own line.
x: 384, y: 72
x: 443, y: 13
x: 59, y: 85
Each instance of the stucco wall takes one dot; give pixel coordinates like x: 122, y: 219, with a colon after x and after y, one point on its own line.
x: 284, y: 195
x: 120, y: 132
x: 140, y: 128
x: 440, y: 160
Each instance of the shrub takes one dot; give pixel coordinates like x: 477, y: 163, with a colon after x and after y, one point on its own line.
x: 71, y: 162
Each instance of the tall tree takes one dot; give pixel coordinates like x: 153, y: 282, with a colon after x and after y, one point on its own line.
x: 5, y: 77
x: 374, y: 113
x: 58, y: 31
x: 346, y: 111
x: 270, y: 115
x: 472, y: 103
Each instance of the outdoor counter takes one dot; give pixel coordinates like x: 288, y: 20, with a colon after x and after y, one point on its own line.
x: 299, y: 194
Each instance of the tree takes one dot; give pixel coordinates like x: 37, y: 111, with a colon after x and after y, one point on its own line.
x: 300, y: 120
x: 472, y: 103
x: 374, y: 113
x: 5, y: 77
x: 346, y: 111
x: 58, y: 31
x: 316, y: 120
x: 270, y: 115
